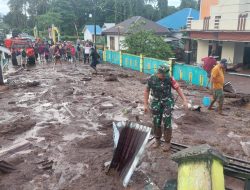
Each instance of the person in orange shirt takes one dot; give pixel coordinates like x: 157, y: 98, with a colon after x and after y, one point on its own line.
x: 217, y: 83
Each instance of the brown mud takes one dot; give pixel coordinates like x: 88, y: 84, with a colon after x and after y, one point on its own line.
x: 60, y: 128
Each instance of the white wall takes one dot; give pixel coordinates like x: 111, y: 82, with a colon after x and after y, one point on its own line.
x: 233, y: 52
x: 117, y: 39
x: 87, y: 35
x: 229, y: 11
x: 228, y: 51
x: 202, y: 50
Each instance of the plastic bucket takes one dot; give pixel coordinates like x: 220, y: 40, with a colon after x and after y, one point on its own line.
x: 206, y: 101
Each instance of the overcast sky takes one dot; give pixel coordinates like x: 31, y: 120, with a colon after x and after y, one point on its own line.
x: 4, y: 7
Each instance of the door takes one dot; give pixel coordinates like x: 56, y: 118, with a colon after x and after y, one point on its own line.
x: 215, y: 50
x: 112, y: 43
x: 246, y: 59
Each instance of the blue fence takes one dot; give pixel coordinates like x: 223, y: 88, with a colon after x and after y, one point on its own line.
x: 131, y: 61
x: 113, y: 57
x: 191, y: 74
x: 151, y: 65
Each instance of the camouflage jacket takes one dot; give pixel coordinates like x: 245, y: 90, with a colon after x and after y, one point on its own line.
x: 161, y: 89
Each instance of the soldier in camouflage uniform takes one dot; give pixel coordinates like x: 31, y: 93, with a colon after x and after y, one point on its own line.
x: 162, y: 104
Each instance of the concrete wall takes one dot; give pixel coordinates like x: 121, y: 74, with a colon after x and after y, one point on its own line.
x: 202, y: 50
x: 87, y: 35
x: 117, y: 39
x: 229, y: 11
x: 232, y: 51
x: 228, y: 51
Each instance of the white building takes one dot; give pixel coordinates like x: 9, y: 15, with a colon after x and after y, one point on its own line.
x: 223, y: 29
x: 107, y: 26
x: 116, y: 35
x: 89, y: 32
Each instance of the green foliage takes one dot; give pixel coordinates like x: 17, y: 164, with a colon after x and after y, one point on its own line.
x: 189, y: 4
x: 4, y: 28
x: 66, y: 14
x: 147, y: 43
x: 69, y: 38
x: 163, y: 8
x: 46, y: 20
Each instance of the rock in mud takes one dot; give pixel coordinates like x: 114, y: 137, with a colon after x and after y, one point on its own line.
x: 241, y: 102
x: 106, y: 106
x: 86, y: 79
x: 12, y: 102
x: 33, y: 84
x: 143, y: 81
x: 111, y: 78
x: 121, y: 75
x: 69, y: 92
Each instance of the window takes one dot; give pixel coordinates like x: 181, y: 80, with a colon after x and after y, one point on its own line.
x: 215, y: 48
x: 206, y: 23
x: 217, y: 22
x: 112, y: 43
x: 189, y: 20
x: 242, y: 22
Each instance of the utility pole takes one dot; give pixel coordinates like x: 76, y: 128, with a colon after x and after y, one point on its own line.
x: 1, y: 70
x: 115, y: 11
x: 95, y: 7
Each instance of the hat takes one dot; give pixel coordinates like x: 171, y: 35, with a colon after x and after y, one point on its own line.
x: 224, y: 62
x: 163, y: 69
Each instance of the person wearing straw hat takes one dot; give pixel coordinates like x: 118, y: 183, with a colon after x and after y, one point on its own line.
x: 217, y: 82
x: 162, y: 103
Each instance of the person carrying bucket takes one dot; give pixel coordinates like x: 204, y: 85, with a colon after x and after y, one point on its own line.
x: 162, y: 104
x: 217, y: 80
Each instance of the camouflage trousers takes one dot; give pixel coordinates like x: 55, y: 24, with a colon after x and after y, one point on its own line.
x: 162, y: 112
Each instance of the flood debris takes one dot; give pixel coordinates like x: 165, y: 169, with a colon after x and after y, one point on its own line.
x: 130, y: 140
x: 68, y: 110
x: 228, y: 87
x: 33, y: 84
x: 86, y: 79
x: 46, y: 164
x: 6, y: 167
x: 241, y: 102
x: 29, y: 84
x: 19, y: 125
x: 246, y: 147
x: 111, y: 78
x: 122, y: 75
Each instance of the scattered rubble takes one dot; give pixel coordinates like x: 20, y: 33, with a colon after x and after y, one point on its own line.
x: 71, y: 143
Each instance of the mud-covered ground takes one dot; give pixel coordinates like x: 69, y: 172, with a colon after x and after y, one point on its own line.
x: 57, y: 131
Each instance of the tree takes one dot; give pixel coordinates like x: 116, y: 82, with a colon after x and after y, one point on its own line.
x: 147, y: 43
x: 45, y: 21
x: 163, y: 8
x: 25, y: 14
x: 189, y: 4
x: 15, y: 19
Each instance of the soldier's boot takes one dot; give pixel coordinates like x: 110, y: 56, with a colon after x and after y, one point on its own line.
x: 167, y: 138
x: 158, y: 134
